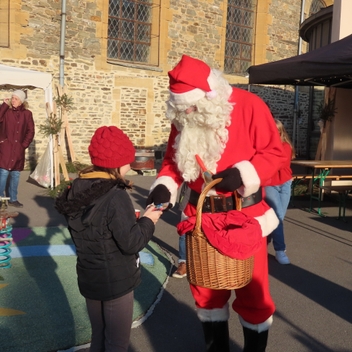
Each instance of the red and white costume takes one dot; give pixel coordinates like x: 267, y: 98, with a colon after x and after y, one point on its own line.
x: 254, y: 147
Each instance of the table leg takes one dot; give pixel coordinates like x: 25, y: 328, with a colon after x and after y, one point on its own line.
x: 343, y: 196
x: 311, y: 191
x: 321, y: 177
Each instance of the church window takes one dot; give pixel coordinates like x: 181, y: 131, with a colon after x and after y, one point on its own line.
x: 133, y: 31
x: 240, y: 29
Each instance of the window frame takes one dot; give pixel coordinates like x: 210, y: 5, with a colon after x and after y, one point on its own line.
x: 241, y: 60
x: 4, y: 23
x: 154, y: 36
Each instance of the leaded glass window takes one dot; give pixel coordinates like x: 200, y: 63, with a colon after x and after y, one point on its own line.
x: 239, y: 35
x: 316, y: 6
x: 130, y: 30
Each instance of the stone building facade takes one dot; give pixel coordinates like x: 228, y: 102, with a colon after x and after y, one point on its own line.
x: 127, y: 94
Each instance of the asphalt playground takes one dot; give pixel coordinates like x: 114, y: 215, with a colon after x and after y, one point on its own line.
x: 40, y: 305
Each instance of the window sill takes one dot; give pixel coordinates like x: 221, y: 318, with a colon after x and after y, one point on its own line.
x: 137, y: 66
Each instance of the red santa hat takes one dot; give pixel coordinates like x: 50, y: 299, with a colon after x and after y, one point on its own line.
x: 191, y: 80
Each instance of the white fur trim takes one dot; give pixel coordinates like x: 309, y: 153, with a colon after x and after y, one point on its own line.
x: 257, y: 327
x: 187, y: 98
x: 171, y: 185
x: 250, y: 178
x: 268, y: 222
x: 212, y: 80
x: 212, y: 94
x: 216, y: 314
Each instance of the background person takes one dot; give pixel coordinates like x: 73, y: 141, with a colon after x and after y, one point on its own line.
x: 108, y: 237
x: 16, y: 134
x: 181, y: 270
x: 233, y: 132
x: 278, y: 194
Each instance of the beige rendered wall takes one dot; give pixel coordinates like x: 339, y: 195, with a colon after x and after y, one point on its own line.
x: 342, y: 126
x: 341, y: 21
x: 340, y: 141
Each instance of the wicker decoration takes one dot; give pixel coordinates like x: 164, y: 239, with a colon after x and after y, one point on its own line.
x: 206, y: 266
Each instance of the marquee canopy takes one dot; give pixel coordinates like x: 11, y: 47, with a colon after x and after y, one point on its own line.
x: 330, y: 66
x: 13, y: 77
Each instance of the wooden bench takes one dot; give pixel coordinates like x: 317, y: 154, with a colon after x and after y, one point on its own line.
x: 342, y: 190
x: 298, y: 178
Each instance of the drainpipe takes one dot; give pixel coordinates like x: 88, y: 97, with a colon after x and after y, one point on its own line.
x: 296, y: 99
x: 61, y: 76
x: 62, y: 42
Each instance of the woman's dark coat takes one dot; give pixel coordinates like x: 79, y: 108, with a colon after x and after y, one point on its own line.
x: 107, y: 236
x: 16, y: 134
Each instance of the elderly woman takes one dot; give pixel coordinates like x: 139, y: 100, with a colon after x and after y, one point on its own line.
x: 16, y: 134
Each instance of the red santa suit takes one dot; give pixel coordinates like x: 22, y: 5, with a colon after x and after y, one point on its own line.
x: 255, y: 149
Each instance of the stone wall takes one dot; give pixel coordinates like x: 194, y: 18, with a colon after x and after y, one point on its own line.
x: 129, y: 96
x: 283, y: 32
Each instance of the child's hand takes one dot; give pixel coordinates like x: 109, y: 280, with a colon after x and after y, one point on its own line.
x: 153, y: 213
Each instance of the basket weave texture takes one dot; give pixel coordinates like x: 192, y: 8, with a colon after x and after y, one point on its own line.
x: 206, y: 266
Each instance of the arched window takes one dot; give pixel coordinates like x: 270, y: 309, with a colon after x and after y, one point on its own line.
x: 316, y: 6
x: 240, y: 27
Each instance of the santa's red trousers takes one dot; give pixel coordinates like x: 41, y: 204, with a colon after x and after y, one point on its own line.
x: 253, y: 302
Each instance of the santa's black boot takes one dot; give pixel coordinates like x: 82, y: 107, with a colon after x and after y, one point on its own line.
x: 254, y: 341
x: 216, y: 336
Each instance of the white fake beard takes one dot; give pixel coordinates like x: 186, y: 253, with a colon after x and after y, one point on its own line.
x: 202, y: 132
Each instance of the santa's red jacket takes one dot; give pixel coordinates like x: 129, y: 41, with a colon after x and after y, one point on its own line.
x: 254, y: 147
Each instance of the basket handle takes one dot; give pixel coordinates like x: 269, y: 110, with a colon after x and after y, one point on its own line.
x: 201, y: 198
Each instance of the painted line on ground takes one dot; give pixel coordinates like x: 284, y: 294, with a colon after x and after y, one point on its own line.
x: 61, y: 250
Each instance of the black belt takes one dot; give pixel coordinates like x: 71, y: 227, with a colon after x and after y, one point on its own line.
x: 219, y: 203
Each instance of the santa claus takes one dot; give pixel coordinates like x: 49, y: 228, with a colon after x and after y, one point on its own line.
x: 235, y: 135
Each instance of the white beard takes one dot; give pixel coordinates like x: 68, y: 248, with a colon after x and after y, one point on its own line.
x: 202, y: 132
x: 201, y: 141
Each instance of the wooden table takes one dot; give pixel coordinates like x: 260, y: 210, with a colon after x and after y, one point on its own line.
x: 324, y: 167
x: 343, y: 192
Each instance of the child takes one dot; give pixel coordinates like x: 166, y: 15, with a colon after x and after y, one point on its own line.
x: 107, y: 236
x: 278, y: 195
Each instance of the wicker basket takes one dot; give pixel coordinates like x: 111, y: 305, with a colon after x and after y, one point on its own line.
x: 206, y: 266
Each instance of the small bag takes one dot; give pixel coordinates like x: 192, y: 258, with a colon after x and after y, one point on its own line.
x: 206, y: 266
x: 42, y: 172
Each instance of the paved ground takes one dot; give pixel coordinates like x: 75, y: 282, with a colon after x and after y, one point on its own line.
x: 313, y: 295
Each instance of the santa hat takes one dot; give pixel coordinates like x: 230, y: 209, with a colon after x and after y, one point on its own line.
x: 111, y: 148
x: 20, y: 94
x: 191, y: 80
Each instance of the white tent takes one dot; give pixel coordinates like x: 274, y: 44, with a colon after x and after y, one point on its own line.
x: 13, y: 77
x: 19, y: 77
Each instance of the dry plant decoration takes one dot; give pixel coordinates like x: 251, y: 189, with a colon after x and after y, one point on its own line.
x: 54, y: 123
x: 64, y: 102
x: 327, y: 111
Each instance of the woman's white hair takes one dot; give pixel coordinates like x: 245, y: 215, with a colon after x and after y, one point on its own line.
x: 202, y: 131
